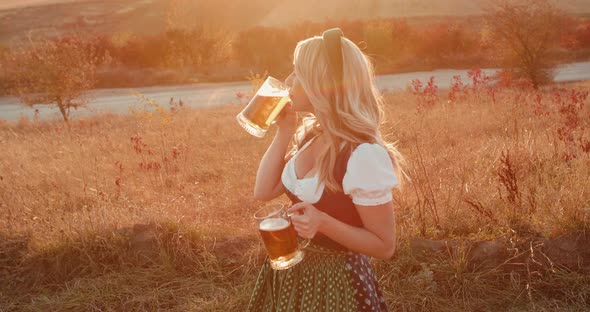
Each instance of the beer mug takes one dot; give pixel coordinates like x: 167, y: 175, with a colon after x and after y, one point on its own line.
x: 279, y: 236
x: 264, y: 107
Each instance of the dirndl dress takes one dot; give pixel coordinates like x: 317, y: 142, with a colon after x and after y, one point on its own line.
x: 330, y: 277
x: 325, y: 280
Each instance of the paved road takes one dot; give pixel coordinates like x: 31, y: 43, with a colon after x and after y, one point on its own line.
x: 215, y: 94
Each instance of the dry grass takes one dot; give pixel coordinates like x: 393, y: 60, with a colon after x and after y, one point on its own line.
x: 70, y: 198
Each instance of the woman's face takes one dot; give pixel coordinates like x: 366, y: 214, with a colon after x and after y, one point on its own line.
x: 300, y: 101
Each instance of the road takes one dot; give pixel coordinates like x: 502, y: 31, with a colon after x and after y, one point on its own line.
x: 214, y: 94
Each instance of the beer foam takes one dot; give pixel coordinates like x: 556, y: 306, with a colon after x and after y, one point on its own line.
x: 272, y: 92
x: 273, y: 224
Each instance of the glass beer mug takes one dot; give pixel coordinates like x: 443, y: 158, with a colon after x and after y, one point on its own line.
x: 279, y: 236
x: 264, y: 107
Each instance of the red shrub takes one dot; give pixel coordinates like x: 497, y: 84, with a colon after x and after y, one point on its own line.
x: 572, y: 131
x: 427, y: 95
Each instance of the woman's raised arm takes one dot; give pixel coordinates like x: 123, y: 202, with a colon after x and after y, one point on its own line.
x: 268, y: 178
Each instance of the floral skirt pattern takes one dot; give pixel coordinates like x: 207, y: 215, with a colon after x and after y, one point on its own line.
x: 325, y: 280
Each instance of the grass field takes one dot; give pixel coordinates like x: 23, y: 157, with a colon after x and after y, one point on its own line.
x: 152, y: 211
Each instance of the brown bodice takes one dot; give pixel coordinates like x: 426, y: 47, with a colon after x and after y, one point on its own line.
x: 336, y: 204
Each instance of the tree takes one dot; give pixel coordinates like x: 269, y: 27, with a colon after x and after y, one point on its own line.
x: 265, y: 49
x: 54, y: 71
x: 524, y: 33
x: 197, y: 38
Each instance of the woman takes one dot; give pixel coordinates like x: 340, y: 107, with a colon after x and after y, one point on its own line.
x: 339, y: 175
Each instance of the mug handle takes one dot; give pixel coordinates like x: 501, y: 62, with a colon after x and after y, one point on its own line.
x: 303, y: 243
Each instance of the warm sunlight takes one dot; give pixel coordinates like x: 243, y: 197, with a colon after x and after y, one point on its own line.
x: 274, y: 155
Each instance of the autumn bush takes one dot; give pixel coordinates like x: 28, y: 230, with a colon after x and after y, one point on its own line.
x: 525, y: 34
x: 54, y: 72
x: 265, y: 48
x: 577, y: 35
x: 208, y: 51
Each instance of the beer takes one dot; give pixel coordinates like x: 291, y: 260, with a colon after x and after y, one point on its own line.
x: 264, y: 107
x: 279, y: 237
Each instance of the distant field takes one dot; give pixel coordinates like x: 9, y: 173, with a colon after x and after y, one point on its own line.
x: 293, y: 11
x: 136, y: 16
x: 149, y: 16
x: 146, y: 17
x: 11, y: 4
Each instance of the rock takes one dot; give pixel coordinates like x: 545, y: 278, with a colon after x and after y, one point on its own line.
x: 144, y: 239
x: 422, y: 245
x: 571, y: 251
x: 232, y: 250
x: 487, y: 253
x: 479, y: 254
x: 13, y: 249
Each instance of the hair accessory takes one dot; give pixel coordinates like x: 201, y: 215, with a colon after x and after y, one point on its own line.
x: 332, y: 43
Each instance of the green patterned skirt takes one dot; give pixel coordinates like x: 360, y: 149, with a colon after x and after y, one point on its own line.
x: 325, y: 280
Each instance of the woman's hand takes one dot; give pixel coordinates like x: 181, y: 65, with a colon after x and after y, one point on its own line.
x: 287, y: 119
x: 306, y: 218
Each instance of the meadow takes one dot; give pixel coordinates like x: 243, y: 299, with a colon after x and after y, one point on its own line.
x: 153, y: 210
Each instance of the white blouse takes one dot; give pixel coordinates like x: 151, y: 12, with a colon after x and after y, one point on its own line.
x: 368, y: 180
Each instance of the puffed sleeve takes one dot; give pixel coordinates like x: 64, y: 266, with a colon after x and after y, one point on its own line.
x: 369, y: 175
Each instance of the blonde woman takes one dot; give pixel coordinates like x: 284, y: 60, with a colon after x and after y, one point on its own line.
x: 339, y: 175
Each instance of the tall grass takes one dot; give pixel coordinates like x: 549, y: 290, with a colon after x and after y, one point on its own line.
x: 152, y: 211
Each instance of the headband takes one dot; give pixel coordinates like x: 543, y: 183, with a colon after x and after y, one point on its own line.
x: 333, y: 45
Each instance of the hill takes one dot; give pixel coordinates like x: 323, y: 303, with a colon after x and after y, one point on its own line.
x: 138, y: 16
x: 336, y: 9
x: 11, y: 4
x: 41, y: 17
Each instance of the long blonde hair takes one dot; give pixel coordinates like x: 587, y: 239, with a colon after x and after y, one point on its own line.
x: 352, y: 116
